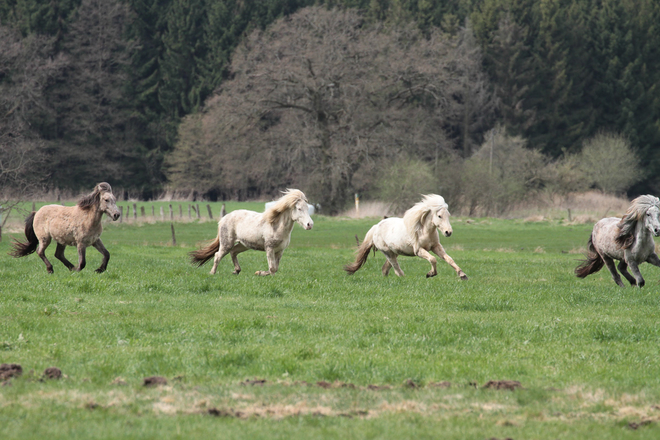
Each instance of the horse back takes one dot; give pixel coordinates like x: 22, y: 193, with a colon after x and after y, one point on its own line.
x: 604, y: 235
x: 244, y: 226
x: 391, y: 234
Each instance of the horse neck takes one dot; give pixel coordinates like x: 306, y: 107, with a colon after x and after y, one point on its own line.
x: 641, y: 232
x: 285, y: 220
x: 93, y: 215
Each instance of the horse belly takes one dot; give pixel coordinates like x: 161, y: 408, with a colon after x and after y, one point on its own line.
x: 393, y: 237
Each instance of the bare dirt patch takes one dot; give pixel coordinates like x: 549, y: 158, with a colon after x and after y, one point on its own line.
x: 7, y: 371
x: 154, y: 381
x: 502, y: 385
x: 52, y: 373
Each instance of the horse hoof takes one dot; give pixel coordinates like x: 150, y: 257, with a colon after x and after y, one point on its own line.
x: 99, y: 270
x: 463, y: 276
x: 236, y: 272
x: 430, y: 275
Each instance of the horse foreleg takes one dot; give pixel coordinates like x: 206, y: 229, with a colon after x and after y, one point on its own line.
x: 623, y: 268
x: 634, y: 268
x: 615, y: 275
x: 59, y: 254
x: 653, y: 259
x: 423, y: 253
x: 273, y: 262
x: 386, y: 268
x: 440, y: 252
x: 98, y: 244
x: 41, y: 251
x: 81, y: 257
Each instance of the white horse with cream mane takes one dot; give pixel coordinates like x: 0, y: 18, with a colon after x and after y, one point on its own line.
x: 413, y: 235
x: 269, y: 231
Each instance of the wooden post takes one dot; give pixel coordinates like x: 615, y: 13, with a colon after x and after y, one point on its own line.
x: 223, y: 211
x: 173, y: 236
x: 208, y: 207
x: 162, y: 214
x: 121, y: 214
x: 34, y: 206
x: 134, y: 211
x: 171, y: 213
x: 142, y: 211
x: 180, y: 211
x: 197, y: 209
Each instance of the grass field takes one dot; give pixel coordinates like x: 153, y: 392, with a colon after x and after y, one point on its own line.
x: 314, y: 353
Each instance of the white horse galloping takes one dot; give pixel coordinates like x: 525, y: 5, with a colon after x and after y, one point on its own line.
x: 628, y: 240
x: 270, y: 231
x: 413, y: 235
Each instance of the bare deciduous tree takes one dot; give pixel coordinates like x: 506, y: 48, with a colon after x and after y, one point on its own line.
x: 322, y: 101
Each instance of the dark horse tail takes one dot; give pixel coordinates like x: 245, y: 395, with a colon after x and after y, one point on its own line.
x: 592, y: 264
x: 362, y: 253
x: 23, y: 249
x: 201, y: 256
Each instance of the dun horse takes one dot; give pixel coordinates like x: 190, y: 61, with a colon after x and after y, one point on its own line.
x: 78, y: 226
x: 413, y: 235
x: 270, y: 231
x: 628, y: 240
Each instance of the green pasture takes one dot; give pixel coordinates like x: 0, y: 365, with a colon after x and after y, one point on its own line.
x: 313, y: 353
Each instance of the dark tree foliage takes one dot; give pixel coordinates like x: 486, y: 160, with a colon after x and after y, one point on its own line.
x: 561, y: 70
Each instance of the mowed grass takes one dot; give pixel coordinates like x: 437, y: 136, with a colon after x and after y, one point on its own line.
x: 342, y: 356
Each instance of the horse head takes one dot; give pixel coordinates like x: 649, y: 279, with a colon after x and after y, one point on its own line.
x: 652, y: 218
x: 300, y: 214
x: 440, y: 219
x: 106, y: 200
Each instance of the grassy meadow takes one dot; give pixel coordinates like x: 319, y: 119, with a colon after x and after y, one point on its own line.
x: 313, y: 353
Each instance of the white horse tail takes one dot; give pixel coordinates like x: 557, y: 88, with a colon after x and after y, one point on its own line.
x: 592, y: 264
x: 201, y: 256
x: 362, y: 253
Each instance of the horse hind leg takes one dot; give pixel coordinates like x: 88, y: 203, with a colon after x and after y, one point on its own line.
x: 610, y: 266
x: 41, y: 251
x: 82, y: 261
x: 634, y: 268
x: 218, y: 257
x: 59, y: 254
x: 386, y: 268
x: 391, y: 258
x: 623, y: 268
x: 234, y: 257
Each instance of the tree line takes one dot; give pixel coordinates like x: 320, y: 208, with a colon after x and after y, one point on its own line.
x: 231, y: 98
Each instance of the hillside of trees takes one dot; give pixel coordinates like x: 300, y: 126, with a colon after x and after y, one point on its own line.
x: 239, y: 99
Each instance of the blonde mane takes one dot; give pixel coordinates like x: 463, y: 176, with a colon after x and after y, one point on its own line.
x: 415, y: 216
x: 283, y: 204
x: 94, y: 198
x: 636, y: 211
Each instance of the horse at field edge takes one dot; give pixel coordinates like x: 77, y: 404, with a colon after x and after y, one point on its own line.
x: 628, y: 240
x: 413, y: 235
x: 78, y: 226
x: 270, y: 231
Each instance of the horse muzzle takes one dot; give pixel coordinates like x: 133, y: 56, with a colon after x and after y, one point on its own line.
x: 115, y: 216
x: 447, y: 233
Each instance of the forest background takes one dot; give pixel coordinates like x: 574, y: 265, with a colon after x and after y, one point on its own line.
x: 488, y: 102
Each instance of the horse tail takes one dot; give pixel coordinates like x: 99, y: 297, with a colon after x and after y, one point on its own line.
x: 23, y: 249
x: 362, y: 253
x: 592, y: 264
x: 201, y: 256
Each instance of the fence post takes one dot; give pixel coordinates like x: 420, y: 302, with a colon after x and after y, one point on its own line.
x: 180, y: 211
x: 210, y: 213
x: 173, y: 236
x: 134, y: 211
x: 142, y: 211
x: 34, y: 206
x: 162, y: 214
x: 153, y: 211
x: 189, y: 214
x: 223, y: 211
x: 121, y: 214
x: 197, y: 209
x: 171, y: 213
